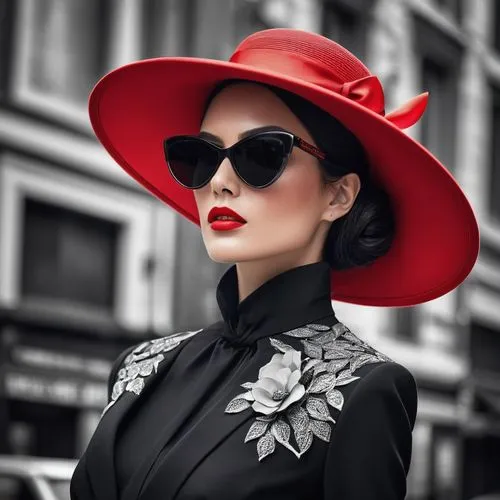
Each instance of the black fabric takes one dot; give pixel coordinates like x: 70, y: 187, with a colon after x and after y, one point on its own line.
x: 175, y: 441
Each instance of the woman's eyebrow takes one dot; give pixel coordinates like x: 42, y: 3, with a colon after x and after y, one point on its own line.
x: 217, y: 140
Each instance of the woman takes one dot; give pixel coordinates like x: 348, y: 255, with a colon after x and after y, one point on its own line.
x: 327, y: 199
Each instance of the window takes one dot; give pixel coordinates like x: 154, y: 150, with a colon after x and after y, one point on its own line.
x: 345, y: 22
x: 484, y: 349
x: 60, y: 51
x: 440, y: 59
x: 6, y: 16
x: 406, y: 323
x: 168, y: 27
x: 140, y: 229
x: 451, y: 7
x: 68, y: 257
x: 438, y: 120
x: 444, y: 461
x: 494, y: 184
x: 496, y: 25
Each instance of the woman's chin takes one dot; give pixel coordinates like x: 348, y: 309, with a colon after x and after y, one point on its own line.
x: 227, y: 256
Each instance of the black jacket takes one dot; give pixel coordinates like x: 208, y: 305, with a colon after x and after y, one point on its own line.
x: 195, y: 416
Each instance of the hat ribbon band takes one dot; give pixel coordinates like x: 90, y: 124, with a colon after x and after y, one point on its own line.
x: 367, y: 91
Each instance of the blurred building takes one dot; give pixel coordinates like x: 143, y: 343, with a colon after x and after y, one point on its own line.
x: 90, y: 262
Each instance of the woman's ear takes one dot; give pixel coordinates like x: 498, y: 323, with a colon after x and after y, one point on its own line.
x: 341, y: 195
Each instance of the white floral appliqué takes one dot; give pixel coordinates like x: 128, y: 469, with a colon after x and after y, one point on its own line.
x: 294, y: 393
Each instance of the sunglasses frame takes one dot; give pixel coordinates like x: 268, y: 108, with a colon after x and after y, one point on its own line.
x: 293, y: 141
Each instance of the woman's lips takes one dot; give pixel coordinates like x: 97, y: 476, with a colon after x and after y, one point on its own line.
x: 225, y: 225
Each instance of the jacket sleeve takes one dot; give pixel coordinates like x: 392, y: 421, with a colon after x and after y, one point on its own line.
x: 370, y: 449
x: 115, y: 367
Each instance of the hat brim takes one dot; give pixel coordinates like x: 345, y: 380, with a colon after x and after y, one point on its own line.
x: 133, y: 108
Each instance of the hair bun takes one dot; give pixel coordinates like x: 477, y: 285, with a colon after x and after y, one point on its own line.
x: 365, y: 233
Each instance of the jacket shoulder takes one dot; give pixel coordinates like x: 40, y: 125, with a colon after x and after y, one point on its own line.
x: 332, y: 349
x: 381, y: 410
x: 326, y: 365
x: 128, y: 365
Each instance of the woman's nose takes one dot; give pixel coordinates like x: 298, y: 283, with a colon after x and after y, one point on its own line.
x: 225, y: 178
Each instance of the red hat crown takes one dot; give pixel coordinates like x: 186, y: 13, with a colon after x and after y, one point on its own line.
x: 318, y: 60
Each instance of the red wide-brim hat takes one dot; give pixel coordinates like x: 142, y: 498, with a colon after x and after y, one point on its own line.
x: 135, y: 107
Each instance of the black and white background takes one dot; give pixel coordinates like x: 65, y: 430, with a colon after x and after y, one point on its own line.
x: 90, y: 262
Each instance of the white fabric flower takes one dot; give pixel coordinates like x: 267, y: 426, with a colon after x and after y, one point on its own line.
x: 278, y: 384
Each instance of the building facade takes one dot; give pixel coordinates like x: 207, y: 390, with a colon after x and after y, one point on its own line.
x: 90, y: 262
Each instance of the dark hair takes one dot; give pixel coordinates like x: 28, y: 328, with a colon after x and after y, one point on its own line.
x: 367, y: 231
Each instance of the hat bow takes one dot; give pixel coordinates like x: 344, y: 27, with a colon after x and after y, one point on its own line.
x: 366, y: 90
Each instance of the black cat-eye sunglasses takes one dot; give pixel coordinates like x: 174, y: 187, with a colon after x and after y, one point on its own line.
x: 258, y: 159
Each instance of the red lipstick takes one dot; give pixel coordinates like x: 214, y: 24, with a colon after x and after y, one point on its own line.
x: 224, y: 219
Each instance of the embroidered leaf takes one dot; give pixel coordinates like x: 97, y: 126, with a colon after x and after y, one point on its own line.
x: 320, y: 368
x: 129, y: 359
x: 146, y: 367
x: 322, y: 382
x: 324, y: 338
x: 306, y: 378
x: 140, y: 347
x: 336, y: 353
x: 318, y: 409
x: 247, y: 385
x: 312, y: 350
x: 298, y: 417
x: 256, y: 430
x: 302, y: 333
x: 142, y: 355
x: 279, y: 345
x: 265, y: 445
x: 335, y: 398
x: 118, y: 388
x: 304, y: 440
x: 133, y: 370
x: 321, y: 429
x: 172, y: 345
x: 340, y: 328
x: 343, y: 344
x: 135, y: 385
x: 318, y: 328
x: 245, y: 395
x: 236, y: 405
x: 280, y: 430
x: 158, y: 347
x: 335, y: 365
x: 345, y: 378
x: 362, y: 360
x: 311, y: 363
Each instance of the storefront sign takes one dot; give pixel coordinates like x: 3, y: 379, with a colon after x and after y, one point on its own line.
x: 52, y: 388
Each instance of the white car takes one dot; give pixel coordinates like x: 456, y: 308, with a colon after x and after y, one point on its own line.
x: 35, y: 478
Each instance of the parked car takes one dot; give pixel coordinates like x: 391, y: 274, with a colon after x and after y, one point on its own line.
x: 35, y: 478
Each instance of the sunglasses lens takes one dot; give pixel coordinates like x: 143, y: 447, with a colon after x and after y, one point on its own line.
x: 191, y: 161
x: 260, y: 159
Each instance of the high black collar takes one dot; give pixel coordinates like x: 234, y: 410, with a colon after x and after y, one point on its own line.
x: 288, y: 300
